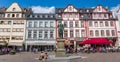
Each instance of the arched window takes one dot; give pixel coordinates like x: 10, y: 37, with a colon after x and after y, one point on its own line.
x: 13, y: 15
x: 13, y: 9
x: 91, y: 33
x: 107, y: 32
x: 96, y: 24
x: 96, y: 33
x: 111, y: 23
x: 113, y: 33
x: 102, y: 32
x: 106, y: 23
x: 90, y: 23
x: 101, y: 24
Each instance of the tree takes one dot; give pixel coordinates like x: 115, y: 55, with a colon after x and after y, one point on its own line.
x: 5, y: 44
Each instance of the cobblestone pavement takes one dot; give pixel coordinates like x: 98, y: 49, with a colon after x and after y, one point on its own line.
x: 93, y: 57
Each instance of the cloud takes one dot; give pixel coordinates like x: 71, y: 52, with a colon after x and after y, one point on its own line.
x: 115, y: 9
x: 40, y: 9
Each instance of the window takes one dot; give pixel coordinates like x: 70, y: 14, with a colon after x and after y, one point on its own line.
x: 1, y: 22
x: 46, y: 24
x: 70, y: 15
x: 17, y: 15
x: 111, y: 23
x: 91, y: 32
x: 77, y: 33
x: 18, y: 30
x: 13, y: 9
x: 35, y: 24
x: 40, y: 24
x: 9, y: 22
x: 99, y: 9
x: 99, y: 15
x: 94, y: 15
x: 106, y: 23
x: 113, y: 33
x: 107, y: 32
x: 96, y: 33
x: 101, y: 24
x: 96, y: 24
x: 2, y: 15
x: 76, y: 15
x: 46, y: 16
x: 51, y: 24
x: 35, y: 34
x: 23, y: 15
x: 70, y: 8
x: 71, y: 33
x: 40, y: 34
x: 71, y: 24
x: 82, y: 33
x: 76, y: 24
x: 51, y: 16
x: 65, y: 15
x: 65, y: 33
x: 8, y: 15
x: 102, y: 33
x: 30, y: 24
x: 65, y: 24
x: 8, y: 29
x: 90, y: 23
x: 46, y: 34
x: 21, y: 29
x: 29, y: 33
x: 14, y: 30
x: 82, y: 24
x: 105, y: 15
x: 41, y: 16
x: 51, y: 33
x: 13, y: 15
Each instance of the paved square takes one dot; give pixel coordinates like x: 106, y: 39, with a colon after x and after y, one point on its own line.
x: 92, y: 57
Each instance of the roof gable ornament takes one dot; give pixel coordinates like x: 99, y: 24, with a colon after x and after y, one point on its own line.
x: 14, y: 7
x: 70, y: 8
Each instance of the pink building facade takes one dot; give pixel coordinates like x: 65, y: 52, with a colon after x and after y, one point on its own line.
x: 83, y: 23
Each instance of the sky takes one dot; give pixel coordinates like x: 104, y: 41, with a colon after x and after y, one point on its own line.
x: 51, y: 4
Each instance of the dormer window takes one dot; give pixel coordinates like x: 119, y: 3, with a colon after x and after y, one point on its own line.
x: 41, y: 16
x: 87, y: 10
x: 13, y: 9
x: 36, y: 16
x: 8, y: 15
x: 46, y: 16
x: 70, y: 8
x: 30, y: 16
x: 17, y: 15
x: 99, y: 9
x: 51, y: 16
x: 13, y: 15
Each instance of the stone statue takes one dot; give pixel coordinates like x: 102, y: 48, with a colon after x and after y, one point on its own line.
x: 60, y: 29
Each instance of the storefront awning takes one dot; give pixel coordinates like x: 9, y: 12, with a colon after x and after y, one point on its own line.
x: 2, y: 42
x: 96, y: 41
x: 15, y: 44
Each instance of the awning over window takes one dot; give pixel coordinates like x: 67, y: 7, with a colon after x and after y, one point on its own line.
x: 96, y: 41
x: 15, y: 43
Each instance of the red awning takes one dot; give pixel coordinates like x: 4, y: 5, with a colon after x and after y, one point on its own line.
x: 96, y: 41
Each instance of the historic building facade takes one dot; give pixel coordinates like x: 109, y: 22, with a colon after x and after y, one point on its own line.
x: 118, y: 25
x: 20, y: 26
x: 40, y: 31
x: 12, y: 25
x: 84, y: 23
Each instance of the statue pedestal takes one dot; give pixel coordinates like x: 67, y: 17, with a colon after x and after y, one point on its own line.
x: 60, y: 52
